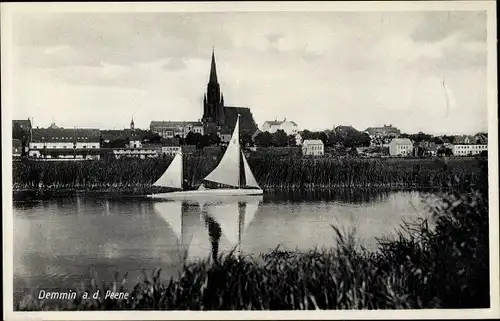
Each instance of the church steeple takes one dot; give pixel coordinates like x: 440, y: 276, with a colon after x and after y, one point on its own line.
x: 213, y: 70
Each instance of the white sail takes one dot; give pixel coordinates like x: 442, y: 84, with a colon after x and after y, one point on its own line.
x: 171, y: 212
x: 172, y: 177
x: 250, y: 179
x: 228, y: 170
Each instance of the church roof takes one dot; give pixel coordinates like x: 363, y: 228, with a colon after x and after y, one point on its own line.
x: 213, y: 70
x: 247, y: 123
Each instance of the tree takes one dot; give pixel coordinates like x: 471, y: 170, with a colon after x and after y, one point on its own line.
x: 246, y: 139
x: 364, y: 140
x: 332, y: 138
x: 279, y: 138
x: 291, y: 141
x: 420, y: 137
x: 22, y: 135
x: 437, y: 140
x: 263, y: 139
x: 191, y: 139
x: 444, y: 151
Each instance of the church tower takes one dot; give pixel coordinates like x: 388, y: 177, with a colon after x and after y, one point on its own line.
x: 213, y: 103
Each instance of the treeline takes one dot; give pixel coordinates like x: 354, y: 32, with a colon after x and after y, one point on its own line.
x: 345, y: 136
x: 271, y: 171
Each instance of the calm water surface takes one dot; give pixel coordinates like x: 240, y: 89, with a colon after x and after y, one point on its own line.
x: 59, y: 244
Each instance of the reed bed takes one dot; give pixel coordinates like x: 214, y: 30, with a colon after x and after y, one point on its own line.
x: 273, y: 172
x: 438, y: 264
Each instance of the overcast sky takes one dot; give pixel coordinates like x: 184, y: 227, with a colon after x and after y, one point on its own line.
x: 420, y: 71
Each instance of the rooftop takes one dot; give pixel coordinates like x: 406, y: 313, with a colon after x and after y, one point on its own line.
x: 164, y: 123
x: 401, y: 141
x: 313, y: 142
x: 65, y: 135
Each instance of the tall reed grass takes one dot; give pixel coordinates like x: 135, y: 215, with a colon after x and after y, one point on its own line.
x: 271, y: 171
x: 438, y: 264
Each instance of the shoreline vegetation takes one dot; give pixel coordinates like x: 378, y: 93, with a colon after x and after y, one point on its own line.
x: 438, y: 264
x: 273, y: 172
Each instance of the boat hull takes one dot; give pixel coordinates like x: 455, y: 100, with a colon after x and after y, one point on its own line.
x: 208, y: 194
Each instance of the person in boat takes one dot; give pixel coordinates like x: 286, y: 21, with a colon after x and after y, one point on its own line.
x: 186, y: 186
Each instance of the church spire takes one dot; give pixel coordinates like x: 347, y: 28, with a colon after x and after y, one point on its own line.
x: 213, y: 69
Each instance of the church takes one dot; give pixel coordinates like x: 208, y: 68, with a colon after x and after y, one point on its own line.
x: 221, y: 119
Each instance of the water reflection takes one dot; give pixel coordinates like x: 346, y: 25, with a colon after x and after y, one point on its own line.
x: 344, y: 195
x: 57, y: 241
x: 208, y: 227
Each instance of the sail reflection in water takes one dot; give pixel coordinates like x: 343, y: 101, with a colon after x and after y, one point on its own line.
x: 209, y: 228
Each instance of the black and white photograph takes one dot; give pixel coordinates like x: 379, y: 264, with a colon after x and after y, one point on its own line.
x: 334, y: 157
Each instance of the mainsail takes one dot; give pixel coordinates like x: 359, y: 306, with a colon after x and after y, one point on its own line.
x: 172, y: 177
x: 228, y: 170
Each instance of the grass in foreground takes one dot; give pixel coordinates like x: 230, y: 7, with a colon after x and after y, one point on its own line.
x: 443, y: 266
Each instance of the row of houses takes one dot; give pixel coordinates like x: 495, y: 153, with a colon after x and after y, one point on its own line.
x: 405, y: 147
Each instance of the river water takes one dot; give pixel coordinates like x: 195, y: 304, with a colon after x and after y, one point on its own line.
x: 60, y: 243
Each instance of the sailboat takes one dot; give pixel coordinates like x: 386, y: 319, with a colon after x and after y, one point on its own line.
x: 232, y: 171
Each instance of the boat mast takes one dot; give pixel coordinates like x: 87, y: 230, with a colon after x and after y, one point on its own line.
x: 182, y: 168
x: 239, y: 152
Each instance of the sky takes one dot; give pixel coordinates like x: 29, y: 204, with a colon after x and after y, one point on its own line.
x: 419, y: 71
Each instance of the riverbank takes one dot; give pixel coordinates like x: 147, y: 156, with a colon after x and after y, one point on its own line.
x: 273, y: 172
x: 440, y: 265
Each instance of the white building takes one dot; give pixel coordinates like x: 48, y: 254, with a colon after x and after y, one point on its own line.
x: 468, y: 150
x: 170, y: 150
x: 170, y: 129
x: 400, y: 147
x: 289, y: 127
x: 61, y: 141
x: 313, y: 147
x: 142, y: 153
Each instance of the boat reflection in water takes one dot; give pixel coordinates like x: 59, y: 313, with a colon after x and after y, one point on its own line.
x: 207, y: 228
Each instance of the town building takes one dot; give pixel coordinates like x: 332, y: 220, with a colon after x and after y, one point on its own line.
x: 468, y: 149
x: 149, y: 151
x: 313, y: 147
x: 171, y: 129
x: 425, y: 148
x: 59, y: 142
x: 288, y: 126
x: 219, y: 118
x: 400, y: 147
x: 386, y: 130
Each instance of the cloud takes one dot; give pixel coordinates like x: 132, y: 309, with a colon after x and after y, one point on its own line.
x: 436, y: 26
x: 319, y: 69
